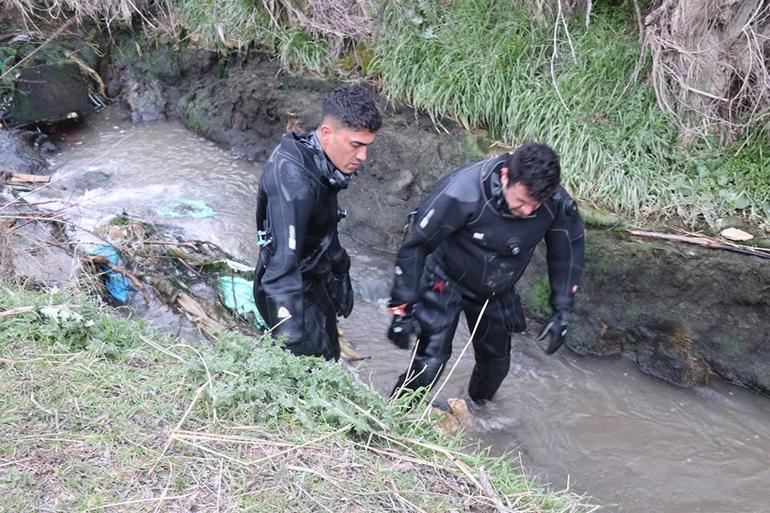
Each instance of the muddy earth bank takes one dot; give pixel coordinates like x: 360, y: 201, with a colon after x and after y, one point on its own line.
x: 682, y: 313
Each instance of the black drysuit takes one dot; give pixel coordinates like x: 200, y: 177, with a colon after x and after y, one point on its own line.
x: 302, y: 277
x: 465, y: 247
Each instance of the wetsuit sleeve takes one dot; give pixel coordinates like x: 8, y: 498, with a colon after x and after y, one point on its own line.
x: 565, y: 243
x: 290, y: 202
x: 439, y: 216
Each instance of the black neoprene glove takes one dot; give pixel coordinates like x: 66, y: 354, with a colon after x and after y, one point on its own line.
x: 555, y: 331
x: 402, y: 326
x: 342, y: 294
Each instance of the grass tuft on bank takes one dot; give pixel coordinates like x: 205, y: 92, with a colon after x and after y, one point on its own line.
x: 99, y: 412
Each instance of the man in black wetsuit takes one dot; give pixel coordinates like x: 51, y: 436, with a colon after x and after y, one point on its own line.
x: 470, y: 241
x: 302, y: 279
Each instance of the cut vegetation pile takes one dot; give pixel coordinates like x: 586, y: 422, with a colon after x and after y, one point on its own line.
x: 100, y: 413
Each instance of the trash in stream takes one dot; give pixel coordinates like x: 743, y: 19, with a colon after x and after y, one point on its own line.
x: 238, y: 295
x: 118, y: 286
x: 186, y: 208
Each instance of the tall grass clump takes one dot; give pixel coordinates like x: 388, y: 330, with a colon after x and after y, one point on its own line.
x: 225, y: 24
x: 111, y: 10
x: 300, y: 51
x: 488, y: 64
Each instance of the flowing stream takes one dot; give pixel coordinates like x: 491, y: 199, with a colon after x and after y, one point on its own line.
x: 599, y: 426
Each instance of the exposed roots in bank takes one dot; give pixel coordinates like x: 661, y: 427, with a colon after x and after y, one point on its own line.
x: 710, y: 63
x: 337, y: 21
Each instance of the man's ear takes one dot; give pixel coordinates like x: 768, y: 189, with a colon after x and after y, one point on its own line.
x: 325, y: 132
x: 504, y: 176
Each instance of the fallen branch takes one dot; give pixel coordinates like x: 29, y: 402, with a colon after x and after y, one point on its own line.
x: 15, y: 177
x: 703, y: 242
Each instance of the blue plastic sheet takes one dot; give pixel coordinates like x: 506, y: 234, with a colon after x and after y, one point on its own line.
x: 118, y: 286
x: 186, y: 208
x: 238, y: 295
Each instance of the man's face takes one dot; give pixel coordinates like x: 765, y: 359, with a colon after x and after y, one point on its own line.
x: 346, y: 148
x: 520, y: 202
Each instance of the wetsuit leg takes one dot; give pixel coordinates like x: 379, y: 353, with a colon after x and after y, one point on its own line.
x: 437, y: 314
x: 320, y: 320
x: 492, y: 348
x: 260, y: 298
x: 329, y: 312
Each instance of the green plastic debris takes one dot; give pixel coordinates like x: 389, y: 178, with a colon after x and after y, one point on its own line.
x: 238, y: 295
x: 186, y: 208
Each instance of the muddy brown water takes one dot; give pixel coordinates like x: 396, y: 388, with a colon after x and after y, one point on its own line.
x: 599, y: 426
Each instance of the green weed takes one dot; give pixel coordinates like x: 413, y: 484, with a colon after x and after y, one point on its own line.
x: 234, y: 426
x: 299, y: 51
x: 537, y: 298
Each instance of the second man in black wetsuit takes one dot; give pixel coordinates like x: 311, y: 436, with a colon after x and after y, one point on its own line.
x: 470, y: 241
x: 302, y: 280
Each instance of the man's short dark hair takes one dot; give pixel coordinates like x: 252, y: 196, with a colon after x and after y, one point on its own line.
x: 353, y: 105
x: 537, y: 167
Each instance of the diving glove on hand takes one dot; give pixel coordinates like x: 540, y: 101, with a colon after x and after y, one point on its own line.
x: 343, y: 294
x: 556, y: 331
x: 402, y: 326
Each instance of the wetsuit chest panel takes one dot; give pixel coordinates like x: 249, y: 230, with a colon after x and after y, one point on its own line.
x: 489, y: 254
x: 506, y: 236
x: 322, y: 222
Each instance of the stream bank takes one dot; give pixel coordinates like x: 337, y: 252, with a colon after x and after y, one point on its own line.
x: 682, y: 313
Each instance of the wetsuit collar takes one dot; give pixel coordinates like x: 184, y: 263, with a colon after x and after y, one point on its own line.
x: 494, y: 187
x: 335, y: 178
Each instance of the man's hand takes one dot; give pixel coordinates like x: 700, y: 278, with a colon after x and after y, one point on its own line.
x: 402, y: 326
x: 556, y: 331
x: 342, y: 296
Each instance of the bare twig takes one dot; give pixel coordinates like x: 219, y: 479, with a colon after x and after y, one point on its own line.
x: 14, y: 177
x: 17, y: 311
x: 100, y: 260
x: 160, y: 348
x: 170, y: 440
x: 139, y: 501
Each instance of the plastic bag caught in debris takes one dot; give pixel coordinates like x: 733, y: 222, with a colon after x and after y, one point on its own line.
x: 186, y: 208
x: 238, y: 295
x: 118, y: 285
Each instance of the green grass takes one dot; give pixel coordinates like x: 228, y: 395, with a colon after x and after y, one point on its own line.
x: 99, y: 412
x: 225, y: 24
x: 537, y: 299
x: 487, y: 64
x: 298, y: 51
